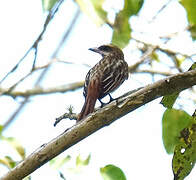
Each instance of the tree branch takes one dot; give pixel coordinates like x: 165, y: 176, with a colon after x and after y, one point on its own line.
x: 68, y: 87
x: 41, y: 91
x: 99, y: 119
x: 153, y: 72
x: 36, y: 43
x: 162, y: 47
x: 44, y: 72
x: 146, y: 55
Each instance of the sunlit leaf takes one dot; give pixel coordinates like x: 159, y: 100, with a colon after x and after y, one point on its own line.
x: 193, y: 31
x: 193, y: 66
x: 1, y: 128
x: 172, y: 124
x: 48, y: 4
x: 58, y: 162
x: 190, y: 7
x: 132, y: 7
x: 180, y: 60
x: 16, y: 145
x: 185, y: 152
x: 99, y: 10
x: 111, y: 172
x: 169, y: 100
x: 155, y: 56
x: 8, y: 162
x: 82, y: 162
x: 122, y: 30
x: 94, y: 10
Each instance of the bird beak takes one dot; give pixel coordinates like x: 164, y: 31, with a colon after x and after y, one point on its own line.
x: 95, y: 50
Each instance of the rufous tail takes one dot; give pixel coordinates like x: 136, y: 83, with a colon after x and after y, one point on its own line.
x: 90, y: 101
x: 87, y: 108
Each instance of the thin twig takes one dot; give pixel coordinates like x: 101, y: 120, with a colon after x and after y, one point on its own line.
x: 154, y: 72
x: 160, y: 10
x: 70, y: 116
x: 34, y: 46
x: 16, y: 66
x: 72, y: 24
x: 41, y: 91
x: 69, y: 62
x: 142, y: 59
x: 13, y: 116
x: 67, y: 33
x: 9, y: 90
x: 162, y: 47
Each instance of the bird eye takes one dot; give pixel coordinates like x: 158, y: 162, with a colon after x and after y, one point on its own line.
x: 105, y: 48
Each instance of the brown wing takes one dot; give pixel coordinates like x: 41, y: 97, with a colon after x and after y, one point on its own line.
x: 110, y: 71
x: 114, y: 76
x: 86, y: 83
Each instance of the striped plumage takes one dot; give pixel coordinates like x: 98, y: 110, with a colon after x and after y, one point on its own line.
x: 105, y: 77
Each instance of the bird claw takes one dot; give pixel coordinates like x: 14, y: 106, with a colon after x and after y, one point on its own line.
x: 111, y: 99
x: 103, y: 104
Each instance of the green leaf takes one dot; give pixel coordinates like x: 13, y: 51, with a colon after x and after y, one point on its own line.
x: 190, y: 7
x: 193, y: 66
x: 185, y: 152
x: 58, y: 162
x: 16, y: 145
x: 180, y: 60
x: 132, y: 7
x: 1, y: 128
x: 155, y: 56
x: 169, y: 100
x: 122, y: 30
x: 193, y: 31
x: 184, y: 160
x: 94, y: 10
x: 173, y: 122
x: 8, y: 162
x: 81, y: 162
x: 111, y: 172
x: 48, y: 4
x: 99, y: 10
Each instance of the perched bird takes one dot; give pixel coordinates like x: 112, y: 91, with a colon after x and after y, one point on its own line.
x: 105, y: 77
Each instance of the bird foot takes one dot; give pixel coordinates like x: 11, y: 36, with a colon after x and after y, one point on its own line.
x: 111, y: 98
x: 103, y: 104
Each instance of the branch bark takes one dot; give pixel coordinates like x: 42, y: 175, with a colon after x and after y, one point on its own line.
x: 99, y: 119
x: 41, y: 91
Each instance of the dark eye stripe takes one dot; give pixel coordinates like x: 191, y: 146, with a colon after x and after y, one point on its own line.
x: 105, y: 48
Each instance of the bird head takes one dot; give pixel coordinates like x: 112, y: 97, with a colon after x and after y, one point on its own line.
x: 108, y: 50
